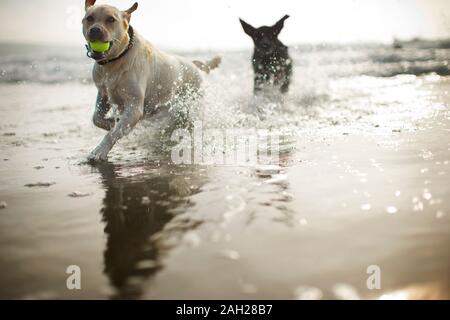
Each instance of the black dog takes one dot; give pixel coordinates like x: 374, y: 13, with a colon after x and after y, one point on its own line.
x: 271, y: 61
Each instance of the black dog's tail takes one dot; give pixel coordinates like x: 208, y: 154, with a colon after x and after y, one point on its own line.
x: 208, y: 65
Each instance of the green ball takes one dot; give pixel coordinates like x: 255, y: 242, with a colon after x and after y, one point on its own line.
x: 99, y: 46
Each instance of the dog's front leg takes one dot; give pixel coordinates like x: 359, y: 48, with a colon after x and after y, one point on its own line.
x: 258, y: 83
x: 129, y: 118
x: 102, y: 107
x: 287, y: 78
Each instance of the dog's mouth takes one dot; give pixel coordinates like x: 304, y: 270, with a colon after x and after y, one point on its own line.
x: 96, y: 55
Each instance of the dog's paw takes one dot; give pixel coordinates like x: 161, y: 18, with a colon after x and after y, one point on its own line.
x: 99, y: 154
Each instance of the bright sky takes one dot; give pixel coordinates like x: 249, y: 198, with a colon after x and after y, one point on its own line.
x: 213, y: 24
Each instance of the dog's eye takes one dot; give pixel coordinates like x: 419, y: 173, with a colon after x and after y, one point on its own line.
x: 110, y: 20
x: 89, y: 18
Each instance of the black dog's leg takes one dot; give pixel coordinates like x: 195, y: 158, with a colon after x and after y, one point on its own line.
x: 258, y: 83
x: 102, y: 107
x: 285, y: 86
x: 287, y: 79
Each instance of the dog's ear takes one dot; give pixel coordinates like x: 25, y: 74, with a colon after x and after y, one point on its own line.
x: 276, y: 28
x: 88, y: 4
x: 247, y: 28
x: 128, y: 12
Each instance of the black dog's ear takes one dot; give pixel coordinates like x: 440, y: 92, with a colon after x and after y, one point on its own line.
x: 247, y: 28
x: 279, y: 25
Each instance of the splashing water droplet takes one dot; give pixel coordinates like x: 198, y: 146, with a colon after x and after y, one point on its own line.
x: 231, y: 254
x: 307, y: 293
x: 439, y: 214
x: 345, y: 292
x: 391, y: 210
x: 426, y: 195
x: 249, y: 288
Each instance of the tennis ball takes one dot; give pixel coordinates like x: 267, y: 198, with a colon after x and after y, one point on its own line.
x: 99, y: 46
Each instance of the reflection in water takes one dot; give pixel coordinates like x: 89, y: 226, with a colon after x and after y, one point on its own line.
x: 139, y: 201
x: 424, y: 291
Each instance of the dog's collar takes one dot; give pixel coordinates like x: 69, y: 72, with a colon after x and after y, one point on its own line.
x: 130, y: 45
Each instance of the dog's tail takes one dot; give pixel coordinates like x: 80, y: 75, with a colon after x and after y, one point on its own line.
x: 208, y: 65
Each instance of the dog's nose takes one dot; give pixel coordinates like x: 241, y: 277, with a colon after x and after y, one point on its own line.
x: 95, y: 34
x: 265, y: 45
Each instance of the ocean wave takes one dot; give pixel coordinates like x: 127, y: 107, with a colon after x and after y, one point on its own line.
x: 53, y: 69
x: 67, y: 65
x: 433, y: 67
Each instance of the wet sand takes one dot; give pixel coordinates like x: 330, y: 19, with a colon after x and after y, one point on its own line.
x: 343, y: 197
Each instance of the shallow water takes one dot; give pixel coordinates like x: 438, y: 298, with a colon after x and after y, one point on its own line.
x: 361, y: 180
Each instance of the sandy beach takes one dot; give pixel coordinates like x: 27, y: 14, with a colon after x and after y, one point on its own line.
x: 362, y: 180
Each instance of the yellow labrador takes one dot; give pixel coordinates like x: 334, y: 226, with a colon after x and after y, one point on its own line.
x: 132, y: 73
